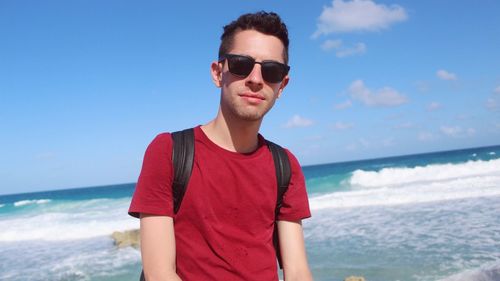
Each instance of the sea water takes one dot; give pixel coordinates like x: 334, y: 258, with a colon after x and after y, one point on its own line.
x: 421, y: 217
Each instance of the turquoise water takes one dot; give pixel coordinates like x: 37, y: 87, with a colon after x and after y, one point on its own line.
x: 419, y: 217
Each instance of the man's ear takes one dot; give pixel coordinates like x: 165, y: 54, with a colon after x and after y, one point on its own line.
x: 216, y: 73
x: 283, y: 85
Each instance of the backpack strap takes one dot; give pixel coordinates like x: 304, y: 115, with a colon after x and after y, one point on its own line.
x: 283, y: 175
x: 182, y: 161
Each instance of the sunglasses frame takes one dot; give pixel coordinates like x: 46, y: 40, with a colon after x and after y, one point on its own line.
x: 285, y: 68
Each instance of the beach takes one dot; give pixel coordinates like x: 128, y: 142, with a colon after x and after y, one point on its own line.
x: 410, y: 218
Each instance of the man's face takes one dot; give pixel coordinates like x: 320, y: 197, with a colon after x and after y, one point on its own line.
x: 249, y: 98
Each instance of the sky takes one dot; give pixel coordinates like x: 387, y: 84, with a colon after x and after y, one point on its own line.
x: 86, y: 85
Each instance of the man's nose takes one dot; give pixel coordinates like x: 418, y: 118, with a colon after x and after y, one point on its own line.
x: 255, y: 77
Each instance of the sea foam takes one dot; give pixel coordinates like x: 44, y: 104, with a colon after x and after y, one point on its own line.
x: 29, y: 202
x: 489, y: 272
x: 388, y: 177
x: 392, y: 186
x: 69, y: 221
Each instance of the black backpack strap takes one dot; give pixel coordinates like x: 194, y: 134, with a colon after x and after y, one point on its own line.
x: 182, y: 160
x: 283, y: 175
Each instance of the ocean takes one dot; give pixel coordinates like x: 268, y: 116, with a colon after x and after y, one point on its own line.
x: 423, y: 217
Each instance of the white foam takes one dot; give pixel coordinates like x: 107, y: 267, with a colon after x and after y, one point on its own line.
x: 90, y: 259
x: 99, y: 262
x: 492, y: 153
x: 70, y: 221
x: 29, y: 202
x: 2, y: 205
x: 388, y: 177
x: 393, y: 186
x: 490, y: 272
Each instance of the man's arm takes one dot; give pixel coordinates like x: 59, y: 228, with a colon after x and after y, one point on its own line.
x: 293, y: 251
x: 158, y: 248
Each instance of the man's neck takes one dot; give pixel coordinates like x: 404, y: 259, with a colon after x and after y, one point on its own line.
x: 238, y: 136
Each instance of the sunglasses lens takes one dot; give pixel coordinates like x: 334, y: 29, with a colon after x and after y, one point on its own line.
x: 273, y: 72
x: 239, y: 65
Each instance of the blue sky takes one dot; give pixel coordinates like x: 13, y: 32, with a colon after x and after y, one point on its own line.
x: 86, y: 85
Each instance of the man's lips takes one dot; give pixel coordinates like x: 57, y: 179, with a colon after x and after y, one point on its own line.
x: 252, y: 96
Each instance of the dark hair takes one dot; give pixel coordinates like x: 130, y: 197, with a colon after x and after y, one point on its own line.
x: 267, y: 23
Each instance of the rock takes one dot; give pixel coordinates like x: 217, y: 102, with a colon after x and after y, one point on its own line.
x: 127, y: 238
x: 355, y: 278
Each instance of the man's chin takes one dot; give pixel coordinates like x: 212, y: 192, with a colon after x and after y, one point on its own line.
x: 250, y: 116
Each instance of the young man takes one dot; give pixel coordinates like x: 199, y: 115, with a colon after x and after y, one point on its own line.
x: 224, y: 227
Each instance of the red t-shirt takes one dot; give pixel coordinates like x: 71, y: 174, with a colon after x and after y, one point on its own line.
x: 224, y: 227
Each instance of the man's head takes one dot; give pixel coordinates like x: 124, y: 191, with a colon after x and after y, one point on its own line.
x: 267, y: 23
x: 252, y: 68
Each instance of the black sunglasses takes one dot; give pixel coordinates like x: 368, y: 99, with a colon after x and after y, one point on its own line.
x: 272, y: 71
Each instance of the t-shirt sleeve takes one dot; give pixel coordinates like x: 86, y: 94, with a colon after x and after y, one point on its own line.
x: 295, y: 204
x: 153, y: 192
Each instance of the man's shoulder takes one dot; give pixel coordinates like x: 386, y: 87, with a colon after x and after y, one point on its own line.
x: 162, y: 138
x: 160, y: 145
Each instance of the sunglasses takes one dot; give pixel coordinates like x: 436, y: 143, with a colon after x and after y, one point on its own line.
x: 272, y: 71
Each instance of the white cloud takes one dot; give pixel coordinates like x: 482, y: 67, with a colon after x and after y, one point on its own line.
x: 382, y: 97
x: 343, y: 105
x: 298, y: 121
x: 359, y: 48
x: 358, y: 15
x: 342, y: 51
x: 331, y: 44
x: 425, y: 136
x: 456, y: 131
x: 451, y: 131
x: 342, y: 126
x: 433, y: 106
x: 492, y: 104
x: 445, y: 75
